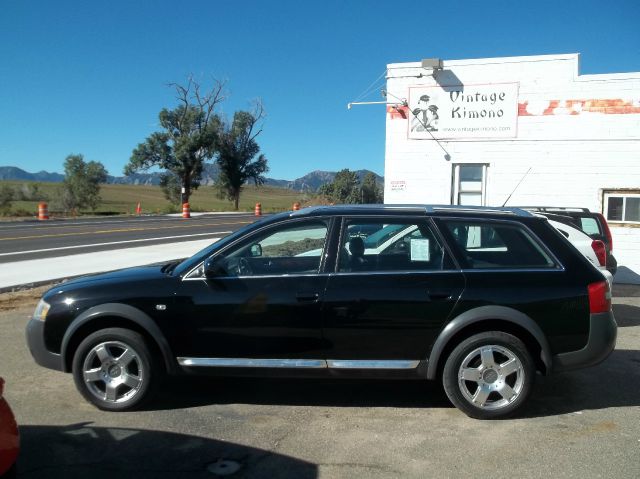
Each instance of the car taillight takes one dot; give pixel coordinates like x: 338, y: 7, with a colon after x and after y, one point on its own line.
x: 600, y: 251
x: 599, y: 297
x: 607, y: 231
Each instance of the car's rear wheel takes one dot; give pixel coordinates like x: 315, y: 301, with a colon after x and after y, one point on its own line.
x: 115, y: 370
x: 489, y: 375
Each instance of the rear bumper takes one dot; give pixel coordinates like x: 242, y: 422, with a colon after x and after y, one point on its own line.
x: 35, y: 341
x: 612, y: 263
x: 602, y: 341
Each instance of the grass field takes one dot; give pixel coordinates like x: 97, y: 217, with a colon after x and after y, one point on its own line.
x: 122, y: 199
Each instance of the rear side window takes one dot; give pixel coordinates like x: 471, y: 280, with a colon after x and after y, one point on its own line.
x: 590, y: 226
x: 399, y: 245
x: 487, y: 245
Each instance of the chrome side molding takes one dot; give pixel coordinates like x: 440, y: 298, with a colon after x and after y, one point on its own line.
x: 251, y: 363
x: 298, y: 363
x: 372, y: 364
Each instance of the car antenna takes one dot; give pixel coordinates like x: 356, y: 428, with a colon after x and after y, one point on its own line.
x: 514, y: 190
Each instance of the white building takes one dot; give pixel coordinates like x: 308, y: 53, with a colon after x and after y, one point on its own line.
x: 471, y: 132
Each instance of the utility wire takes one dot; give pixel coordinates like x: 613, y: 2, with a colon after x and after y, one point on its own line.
x: 371, y: 87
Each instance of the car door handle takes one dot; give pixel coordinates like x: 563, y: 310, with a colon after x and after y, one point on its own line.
x: 439, y: 295
x: 307, y: 297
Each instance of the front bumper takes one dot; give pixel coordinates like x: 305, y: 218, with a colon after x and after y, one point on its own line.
x: 602, y: 341
x: 35, y: 341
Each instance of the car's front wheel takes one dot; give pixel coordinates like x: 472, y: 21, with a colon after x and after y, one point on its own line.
x: 489, y: 375
x: 114, y: 369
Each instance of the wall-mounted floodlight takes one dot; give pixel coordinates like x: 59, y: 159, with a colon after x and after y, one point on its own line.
x: 432, y: 63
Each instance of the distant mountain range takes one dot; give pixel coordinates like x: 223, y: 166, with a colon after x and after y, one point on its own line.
x: 14, y: 173
x: 309, y: 182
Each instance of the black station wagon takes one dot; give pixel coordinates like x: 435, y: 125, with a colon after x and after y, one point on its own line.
x: 478, y: 298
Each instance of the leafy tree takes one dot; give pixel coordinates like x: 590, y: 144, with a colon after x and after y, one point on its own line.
x: 345, y: 188
x: 370, y: 191
x: 188, y: 139
x: 7, y: 195
x: 81, y: 185
x: 238, y: 155
x: 170, y: 185
x: 31, y: 192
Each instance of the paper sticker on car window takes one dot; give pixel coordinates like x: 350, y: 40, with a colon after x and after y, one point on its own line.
x: 419, y: 249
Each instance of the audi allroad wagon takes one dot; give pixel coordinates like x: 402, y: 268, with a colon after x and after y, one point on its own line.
x: 481, y: 299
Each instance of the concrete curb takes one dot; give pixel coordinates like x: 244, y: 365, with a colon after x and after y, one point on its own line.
x: 32, y: 273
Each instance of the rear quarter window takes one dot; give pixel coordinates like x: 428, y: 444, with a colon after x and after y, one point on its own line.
x: 590, y: 226
x: 487, y: 245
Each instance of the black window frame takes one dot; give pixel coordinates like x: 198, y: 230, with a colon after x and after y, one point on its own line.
x: 461, y: 257
x: 408, y: 219
x: 271, y: 228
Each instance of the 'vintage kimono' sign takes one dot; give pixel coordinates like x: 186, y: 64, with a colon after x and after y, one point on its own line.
x: 463, y: 111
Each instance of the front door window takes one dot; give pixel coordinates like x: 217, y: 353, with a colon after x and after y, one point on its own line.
x: 293, y: 249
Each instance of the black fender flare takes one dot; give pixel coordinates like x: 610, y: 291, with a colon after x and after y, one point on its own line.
x: 121, y: 311
x: 486, y: 313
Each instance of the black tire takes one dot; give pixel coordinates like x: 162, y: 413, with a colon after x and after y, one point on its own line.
x: 489, y: 375
x: 115, y: 370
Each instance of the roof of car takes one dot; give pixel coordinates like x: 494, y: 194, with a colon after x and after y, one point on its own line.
x: 409, y: 209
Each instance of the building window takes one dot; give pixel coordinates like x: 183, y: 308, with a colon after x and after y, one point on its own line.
x: 469, y: 185
x: 622, y: 207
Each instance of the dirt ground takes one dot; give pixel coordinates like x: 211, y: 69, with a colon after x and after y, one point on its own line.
x: 21, y: 299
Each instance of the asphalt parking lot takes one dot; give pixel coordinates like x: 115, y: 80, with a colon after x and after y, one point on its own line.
x: 582, y: 424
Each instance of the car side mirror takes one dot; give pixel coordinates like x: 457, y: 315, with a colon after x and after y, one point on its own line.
x: 256, y: 250
x: 214, y: 267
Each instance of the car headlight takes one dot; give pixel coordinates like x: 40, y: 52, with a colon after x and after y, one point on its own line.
x: 41, y: 310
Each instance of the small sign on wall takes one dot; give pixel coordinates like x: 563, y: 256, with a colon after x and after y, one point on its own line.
x: 398, y: 185
x: 463, y: 111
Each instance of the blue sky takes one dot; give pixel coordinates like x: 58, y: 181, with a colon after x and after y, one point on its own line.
x: 90, y: 77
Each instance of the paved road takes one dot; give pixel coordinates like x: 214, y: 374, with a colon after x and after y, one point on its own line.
x: 584, y: 424
x: 35, y: 240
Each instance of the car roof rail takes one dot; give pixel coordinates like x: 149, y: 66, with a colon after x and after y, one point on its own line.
x: 501, y: 210
x: 552, y: 209
x: 559, y: 217
x: 310, y: 210
x: 332, y: 208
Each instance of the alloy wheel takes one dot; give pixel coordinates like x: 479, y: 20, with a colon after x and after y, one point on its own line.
x: 113, y: 372
x: 491, y: 377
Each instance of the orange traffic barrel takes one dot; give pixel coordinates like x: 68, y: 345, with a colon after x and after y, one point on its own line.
x: 138, y: 209
x: 258, y: 210
x: 186, y: 211
x: 43, y: 211
x: 296, y: 206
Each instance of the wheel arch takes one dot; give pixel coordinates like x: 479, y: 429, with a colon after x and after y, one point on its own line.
x: 490, y: 318
x: 115, y: 315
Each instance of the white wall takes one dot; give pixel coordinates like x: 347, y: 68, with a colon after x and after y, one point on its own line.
x: 573, y: 157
